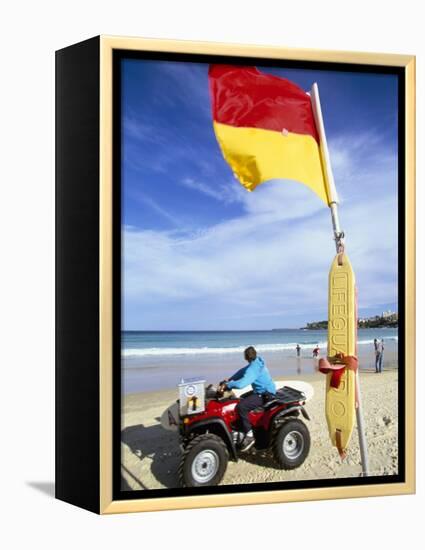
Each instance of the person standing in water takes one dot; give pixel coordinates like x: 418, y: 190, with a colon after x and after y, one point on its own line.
x: 298, y: 348
x: 316, y: 351
x: 379, y: 355
x: 375, y: 345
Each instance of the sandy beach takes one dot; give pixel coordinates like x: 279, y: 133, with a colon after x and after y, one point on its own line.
x: 151, y: 455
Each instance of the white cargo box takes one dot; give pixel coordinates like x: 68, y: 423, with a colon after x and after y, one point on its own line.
x: 191, y: 396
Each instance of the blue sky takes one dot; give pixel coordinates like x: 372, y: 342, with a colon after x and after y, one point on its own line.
x: 202, y: 253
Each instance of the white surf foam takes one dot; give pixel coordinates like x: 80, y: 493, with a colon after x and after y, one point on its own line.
x: 143, y: 352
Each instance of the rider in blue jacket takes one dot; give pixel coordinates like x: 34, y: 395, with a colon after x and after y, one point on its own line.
x: 255, y: 373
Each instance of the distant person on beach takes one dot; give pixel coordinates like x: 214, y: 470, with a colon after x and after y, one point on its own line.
x: 381, y: 359
x: 316, y: 351
x: 375, y: 345
x: 379, y: 354
x: 298, y: 348
x: 257, y: 374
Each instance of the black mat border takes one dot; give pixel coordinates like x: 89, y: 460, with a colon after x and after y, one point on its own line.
x: 118, y: 57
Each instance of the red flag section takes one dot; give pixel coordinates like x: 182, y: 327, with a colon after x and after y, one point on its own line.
x: 245, y: 97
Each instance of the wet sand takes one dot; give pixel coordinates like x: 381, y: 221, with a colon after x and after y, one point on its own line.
x: 162, y: 373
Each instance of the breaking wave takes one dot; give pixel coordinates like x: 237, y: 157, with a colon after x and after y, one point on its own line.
x: 144, y: 352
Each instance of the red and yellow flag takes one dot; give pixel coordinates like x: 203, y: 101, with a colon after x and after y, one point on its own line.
x: 265, y: 127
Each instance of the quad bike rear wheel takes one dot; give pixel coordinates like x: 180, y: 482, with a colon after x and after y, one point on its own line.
x: 204, y: 461
x: 291, y: 444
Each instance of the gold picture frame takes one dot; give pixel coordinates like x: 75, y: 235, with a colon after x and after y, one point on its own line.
x: 101, y: 497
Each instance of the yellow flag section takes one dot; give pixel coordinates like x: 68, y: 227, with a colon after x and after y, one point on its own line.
x: 256, y: 155
x: 342, y: 329
x: 265, y: 127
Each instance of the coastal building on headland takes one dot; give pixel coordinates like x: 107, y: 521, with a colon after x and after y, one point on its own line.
x: 386, y: 319
x: 388, y: 314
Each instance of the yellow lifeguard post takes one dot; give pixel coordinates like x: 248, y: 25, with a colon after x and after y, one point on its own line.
x: 341, y: 397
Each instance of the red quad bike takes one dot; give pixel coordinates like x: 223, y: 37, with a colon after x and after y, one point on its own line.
x: 209, y: 431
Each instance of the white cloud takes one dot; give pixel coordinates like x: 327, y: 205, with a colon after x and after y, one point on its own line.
x: 363, y: 165
x: 278, y: 199
x: 270, y: 264
x: 188, y: 80
x: 256, y: 268
x: 157, y: 208
x: 225, y: 193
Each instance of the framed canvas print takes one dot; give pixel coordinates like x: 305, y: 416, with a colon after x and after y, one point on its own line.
x: 235, y: 274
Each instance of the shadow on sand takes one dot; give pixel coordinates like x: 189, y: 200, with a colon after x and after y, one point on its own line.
x: 159, y: 446
x: 263, y: 459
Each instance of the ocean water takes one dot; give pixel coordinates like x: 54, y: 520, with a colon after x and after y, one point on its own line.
x: 144, y: 344
x: 159, y: 360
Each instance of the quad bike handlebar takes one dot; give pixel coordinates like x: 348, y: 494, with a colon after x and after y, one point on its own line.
x: 222, y: 386
x: 217, y: 391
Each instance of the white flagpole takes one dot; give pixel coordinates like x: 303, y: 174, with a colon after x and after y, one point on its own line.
x: 327, y: 167
x: 339, y: 243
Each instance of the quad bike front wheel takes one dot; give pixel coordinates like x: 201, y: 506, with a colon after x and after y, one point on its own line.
x: 204, y: 461
x: 291, y: 444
